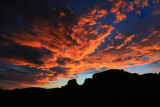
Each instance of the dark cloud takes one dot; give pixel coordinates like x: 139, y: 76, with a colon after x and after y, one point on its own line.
x: 21, y: 76
x: 27, y: 54
x: 155, y: 64
x: 20, y: 13
x: 63, y: 61
x: 59, y: 70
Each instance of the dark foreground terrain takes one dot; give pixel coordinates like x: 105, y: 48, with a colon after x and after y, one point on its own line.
x: 112, y: 88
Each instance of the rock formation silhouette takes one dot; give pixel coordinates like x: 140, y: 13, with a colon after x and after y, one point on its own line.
x: 112, y: 88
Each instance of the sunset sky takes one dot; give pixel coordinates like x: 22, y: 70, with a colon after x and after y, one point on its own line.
x: 44, y: 43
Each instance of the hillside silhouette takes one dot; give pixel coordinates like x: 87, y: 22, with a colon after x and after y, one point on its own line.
x: 112, y: 88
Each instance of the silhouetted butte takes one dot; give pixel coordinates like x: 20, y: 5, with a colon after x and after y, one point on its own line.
x: 112, y: 88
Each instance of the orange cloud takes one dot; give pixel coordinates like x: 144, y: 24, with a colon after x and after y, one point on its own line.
x: 75, y: 41
x: 121, y: 7
x: 73, y: 46
x: 117, y: 5
x: 120, y: 17
x: 131, y: 55
x: 119, y: 36
x: 141, y: 3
